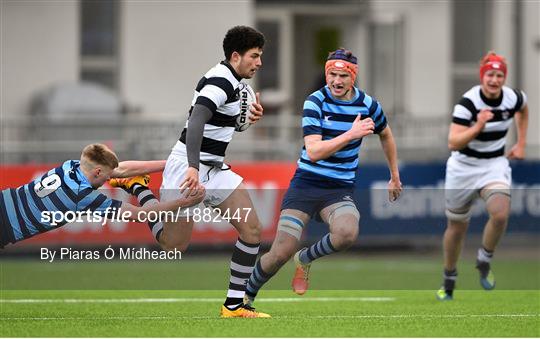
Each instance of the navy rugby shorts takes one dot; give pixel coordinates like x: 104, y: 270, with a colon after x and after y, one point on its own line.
x: 311, y: 200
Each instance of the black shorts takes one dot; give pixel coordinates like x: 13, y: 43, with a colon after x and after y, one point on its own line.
x: 311, y: 200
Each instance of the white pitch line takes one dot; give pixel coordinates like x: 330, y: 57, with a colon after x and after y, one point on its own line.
x: 430, y: 316
x: 396, y: 316
x: 374, y: 299
x: 184, y: 300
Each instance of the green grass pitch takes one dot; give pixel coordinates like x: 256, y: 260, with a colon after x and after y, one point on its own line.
x: 350, y: 297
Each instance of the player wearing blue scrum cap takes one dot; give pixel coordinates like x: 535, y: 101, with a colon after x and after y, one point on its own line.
x: 335, y: 119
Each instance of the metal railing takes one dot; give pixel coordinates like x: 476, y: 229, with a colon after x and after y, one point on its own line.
x: 273, y: 138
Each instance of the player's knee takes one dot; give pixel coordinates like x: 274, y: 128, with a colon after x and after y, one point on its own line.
x: 497, y: 190
x: 171, y: 245
x: 499, y: 218
x: 498, y: 208
x: 250, y: 232
x: 291, y: 225
x: 344, y: 213
x: 458, y: 215
x: 344, y: 237
x: 344, y: 226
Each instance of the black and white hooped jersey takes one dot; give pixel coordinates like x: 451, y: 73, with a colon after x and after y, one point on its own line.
x: 218, y: 90
x: 490, y: 143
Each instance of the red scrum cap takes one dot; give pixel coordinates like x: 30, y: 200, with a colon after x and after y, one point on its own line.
x: 492, y: 61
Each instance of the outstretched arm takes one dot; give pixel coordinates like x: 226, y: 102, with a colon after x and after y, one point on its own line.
x: 132, y: 168
x: 390, y: 151
x: 137, y: 213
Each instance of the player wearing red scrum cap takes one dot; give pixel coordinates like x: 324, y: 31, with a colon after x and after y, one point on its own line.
x: 478, y: 166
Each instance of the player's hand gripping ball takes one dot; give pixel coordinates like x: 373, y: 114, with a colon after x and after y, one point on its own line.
x: 247, y: 97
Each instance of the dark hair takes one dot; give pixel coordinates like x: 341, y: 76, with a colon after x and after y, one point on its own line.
x: 241, y: 39
x: 342, y: 54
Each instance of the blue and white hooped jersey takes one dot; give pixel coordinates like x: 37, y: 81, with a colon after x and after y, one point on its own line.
x: 63, y: 189
x: 330, y: 118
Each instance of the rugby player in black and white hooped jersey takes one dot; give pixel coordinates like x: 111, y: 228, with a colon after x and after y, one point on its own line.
x: 479, y: 167
x: 198, y: 157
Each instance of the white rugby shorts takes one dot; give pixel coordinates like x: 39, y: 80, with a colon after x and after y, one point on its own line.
x: 219, y: 183
x: 465, y: 178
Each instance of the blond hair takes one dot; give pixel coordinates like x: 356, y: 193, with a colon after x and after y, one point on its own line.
x: 99, y: 154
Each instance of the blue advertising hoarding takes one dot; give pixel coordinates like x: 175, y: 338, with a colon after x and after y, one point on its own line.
x: 420, y: 209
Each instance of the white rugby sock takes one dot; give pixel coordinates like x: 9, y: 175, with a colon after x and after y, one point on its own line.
x: 484, y: 255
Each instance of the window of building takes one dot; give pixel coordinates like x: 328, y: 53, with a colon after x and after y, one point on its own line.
x: 471, y: 40
x: 99, y: 34
x: 386, y: 75
x: 268, y: 77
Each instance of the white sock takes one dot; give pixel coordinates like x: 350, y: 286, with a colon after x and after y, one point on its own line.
x: 484, y: 255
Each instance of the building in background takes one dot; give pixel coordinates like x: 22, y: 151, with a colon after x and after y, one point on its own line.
x: 416, y: 57
x: 122, y: 72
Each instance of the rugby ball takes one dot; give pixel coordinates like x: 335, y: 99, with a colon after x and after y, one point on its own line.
x: 247, y: 97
